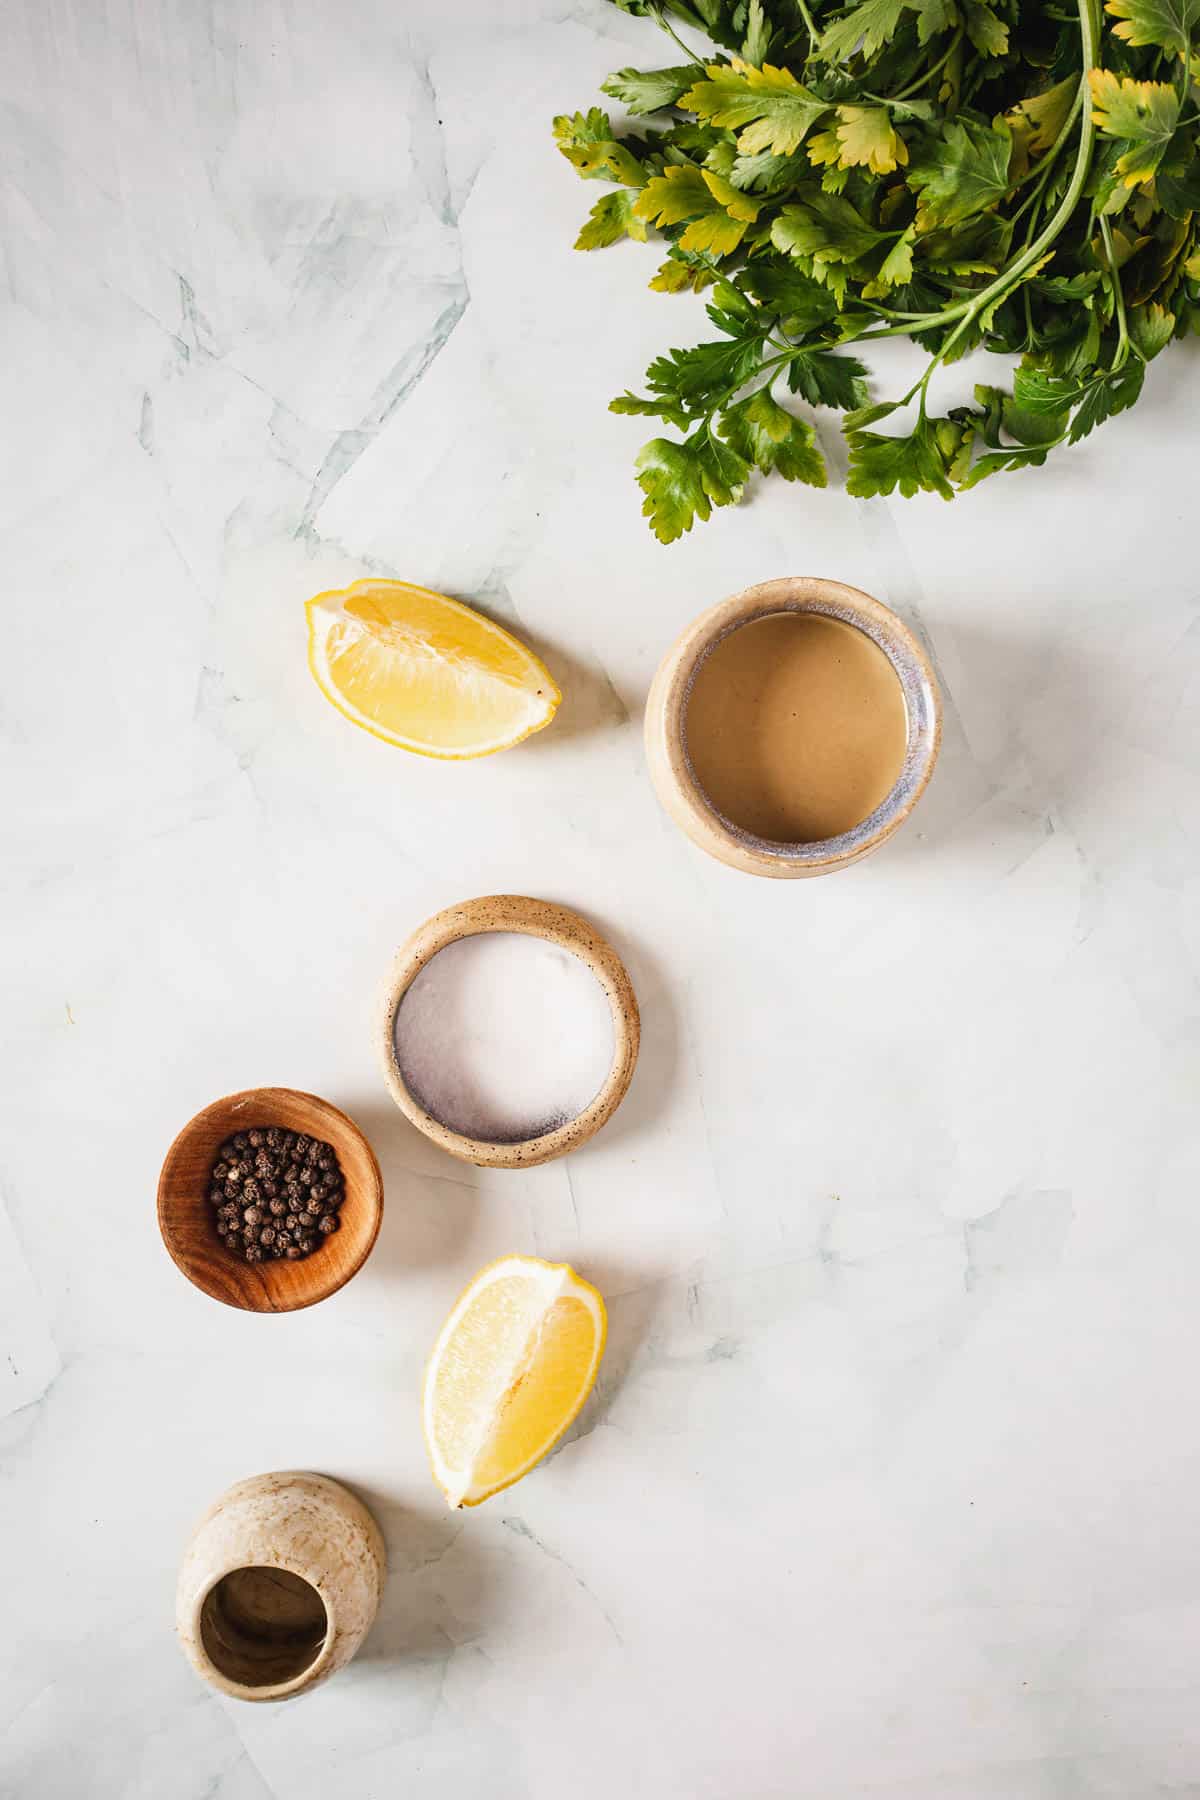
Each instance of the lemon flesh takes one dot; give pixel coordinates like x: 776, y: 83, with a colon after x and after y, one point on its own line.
x: 425, y: 672
x: 514, y: 1363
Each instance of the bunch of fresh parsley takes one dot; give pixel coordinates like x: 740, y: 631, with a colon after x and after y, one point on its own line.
x: 962, y: 172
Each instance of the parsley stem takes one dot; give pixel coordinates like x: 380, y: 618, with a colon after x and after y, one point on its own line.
x: 775, y: 362
x: 1123, y: 344
x: 660, y: 19
x: 813, y: 33
x: 929, y: 74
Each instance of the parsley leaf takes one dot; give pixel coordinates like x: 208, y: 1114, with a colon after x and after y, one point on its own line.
x: 827, y: 379
x: 802, y: 302
x: 996, y: 462
x: 587, y: 142
x: 863, y: 136
x: 683, y: 482
x: 867, y: 28
x: 718, y: 214
x: 826, y: 228
x: 1142, y: 114
x: 611, y: 219
x: 963, y: 173
x: 647, y: 91
x: 1169, y: 24
x: 659, y: 408
x: 766, y: 434
x: 774, y: 108
x: 986, y: 31
x: 670, y: 477
x: 1035, y: 122
x: 708, y: 374
x: 1110, y: 395
x: 1152, y: 327
x: 1091, y: 400
x: 879, y: 465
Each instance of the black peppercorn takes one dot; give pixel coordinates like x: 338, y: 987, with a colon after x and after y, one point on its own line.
x: 275, y: 1192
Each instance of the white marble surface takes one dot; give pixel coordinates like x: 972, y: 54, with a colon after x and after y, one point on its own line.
x: 890, y: 1489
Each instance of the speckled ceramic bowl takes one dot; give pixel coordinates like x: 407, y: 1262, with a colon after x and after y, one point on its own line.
x: 666, y: 739
x: 558, y: 925
x: 279, y: 1585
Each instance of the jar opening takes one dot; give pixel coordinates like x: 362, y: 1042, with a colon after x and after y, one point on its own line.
x: 263, y: 1627
x: 795, y: 727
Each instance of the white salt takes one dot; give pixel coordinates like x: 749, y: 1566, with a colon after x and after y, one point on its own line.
x: 504, y: 1036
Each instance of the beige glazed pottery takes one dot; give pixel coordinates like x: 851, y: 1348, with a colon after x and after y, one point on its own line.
x: 279, y: 1585
x: 558, y: 925
x: 666, y: 739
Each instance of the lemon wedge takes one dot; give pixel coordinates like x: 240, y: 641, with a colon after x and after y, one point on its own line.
x: 425, y: 672
x: 512, y: 1366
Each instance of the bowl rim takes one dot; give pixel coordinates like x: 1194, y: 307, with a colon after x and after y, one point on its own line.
x: 209, y: 1671
x: 532, y: 918
x: 666, y: 737
x: 260, y: 1273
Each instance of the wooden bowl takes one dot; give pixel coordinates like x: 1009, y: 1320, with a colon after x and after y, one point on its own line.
x: 558, y: 925
x: 188, y: 1222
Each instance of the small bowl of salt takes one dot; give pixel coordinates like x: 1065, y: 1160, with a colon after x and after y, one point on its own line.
x: 509, y: 1032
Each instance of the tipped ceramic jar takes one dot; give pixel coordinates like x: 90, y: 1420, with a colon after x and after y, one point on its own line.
x: 792, y: 729
x: 279, y: 1585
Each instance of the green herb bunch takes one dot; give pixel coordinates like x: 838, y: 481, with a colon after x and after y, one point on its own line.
x: 966, y: 173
